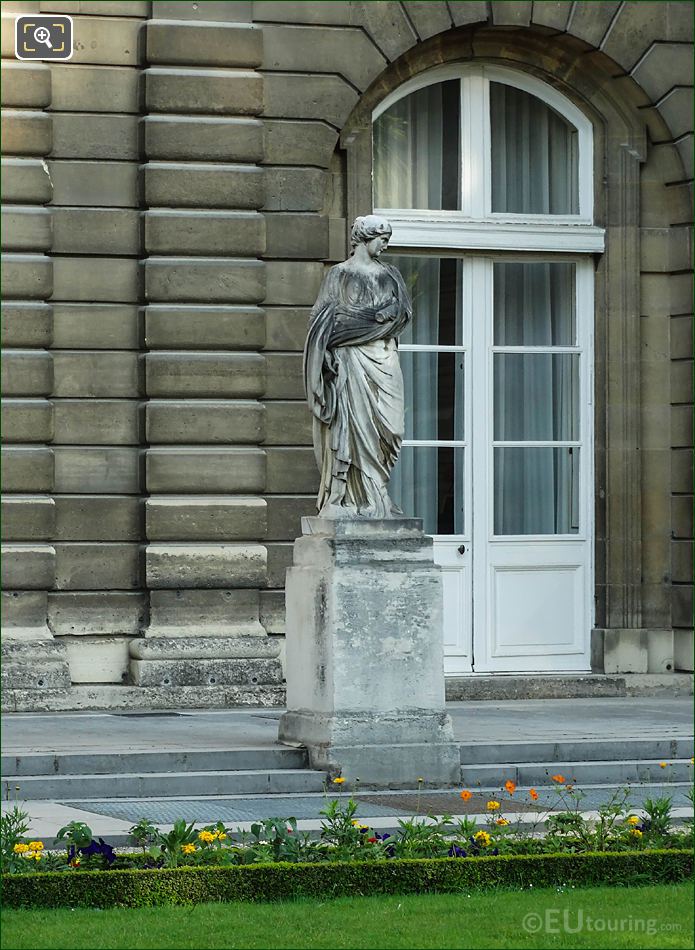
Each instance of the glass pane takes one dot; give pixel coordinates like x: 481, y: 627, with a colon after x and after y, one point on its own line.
x: 534, y: 155
x: 534, y: 304
x: 536, y: 491
x: 433, y: 395
x: 536, y: 397
x: 427, y: 482
x: 434, y: 286
x: 417, y: 150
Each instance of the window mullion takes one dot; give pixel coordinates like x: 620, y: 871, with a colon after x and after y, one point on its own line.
x: 474, y: 184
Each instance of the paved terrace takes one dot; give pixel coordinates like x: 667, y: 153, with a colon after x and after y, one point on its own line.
x: 485, y: 725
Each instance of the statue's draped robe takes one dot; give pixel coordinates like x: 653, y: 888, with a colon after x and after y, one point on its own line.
x: 354, y: 386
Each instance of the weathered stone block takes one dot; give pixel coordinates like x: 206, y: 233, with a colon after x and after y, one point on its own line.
x: 305, y: 11
x: 296, y: 235
x: 26, y: 133
x: 24, y: 614
x: 27, y: 469
x: 97, y: 566
x: 681, y: 426
x: 681, y: 381
x: 96, y: 231
x: 26, y: 276
x: 203, y: 648
x: 677, y: 111
x: 94, y: 184
x: 96, y: 279
x: 33, y: 674
x: 203, y: 138
x: 285, y: 376
x: 272, y: 613
x: 201, y: 422
x: 203, y: 44
x: 27, y: 373
x: 26, y: 84
x: 216, y: 91
x: 27, y: 566
x: 681, y: 471
x: 293, y: 282
x: 92, y: 326
x: 93, y: 135
x: 349, y: 52
x: 131, y: 8
x: 79, y: 88
x: 682, y: 516
x: 209, y: 518
x: 194, y: 672
x: 77, y: 613
x: 206, y: 470
x: 288, y: 423
x: 107, y: 41
x: 590, y: 22
x: 511, y: 14
x: 665, y: 249
x: 98, y: 518
x: 296, y: 96
x: 682, y: 605
x: 388, y: 26
x: 27, y: 420
x: 659, y: 651
x: 279, y: 559
x: 182, y: 279
x: 96, y: 421
x: 683, y: 650
x: 95, y: 470
x: 286, y: 327
x: 98, y: 660
x: 204, y: 327
x: 285, y: 513
x: 27, y: 518
x: 638, y: 25
x: 298, y: 143
x: 217, y: 233
x: 224, y: 375
x: 211, y: 613
x: 25, y: 229
x: 205, y: 565
x: 25, y: 180
x: 430, y: 18
x: 291, y: 470
x: 663, y: 66
x: 96, y: 373
x: 173, y: 185
x: 26, y: 323
x: 681, y: 337
x: 236, y: 11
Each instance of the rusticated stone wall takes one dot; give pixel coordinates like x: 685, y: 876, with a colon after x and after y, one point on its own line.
x: 171, y: 198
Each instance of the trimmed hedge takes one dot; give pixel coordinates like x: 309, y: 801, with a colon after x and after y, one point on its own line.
x: 282, y: 881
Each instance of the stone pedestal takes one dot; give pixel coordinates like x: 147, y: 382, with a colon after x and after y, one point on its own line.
x: 365, y: 680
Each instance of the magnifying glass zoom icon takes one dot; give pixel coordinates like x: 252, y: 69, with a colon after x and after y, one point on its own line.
x: 43, y: 35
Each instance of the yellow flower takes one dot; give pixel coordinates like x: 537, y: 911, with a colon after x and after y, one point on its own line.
x: 501, y: 821
x: 663, y: 765
x: 466, y: 795
x: 20, y: 848
x: 338, y: 781
x: 636, y: 832
x: 36, y: 845
x: 221, y: 836
x: 632, y: 820
x: 483, y: 838
x: 206, y: 836
x: 37, y: 855
x: 188, y: 848
x: 493, y: 806
x: 356, y: 823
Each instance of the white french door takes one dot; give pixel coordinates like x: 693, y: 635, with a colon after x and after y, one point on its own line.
x: 497, y: 456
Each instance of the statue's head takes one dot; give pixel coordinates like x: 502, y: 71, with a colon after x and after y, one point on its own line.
x: 369, y: 227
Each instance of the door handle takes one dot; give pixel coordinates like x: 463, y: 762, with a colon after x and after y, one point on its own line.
x: 462, y: 549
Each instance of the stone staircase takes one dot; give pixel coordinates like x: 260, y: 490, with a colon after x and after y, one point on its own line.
x: 282, y: 771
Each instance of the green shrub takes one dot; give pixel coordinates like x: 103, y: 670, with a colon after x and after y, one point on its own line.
x: 284, y: 881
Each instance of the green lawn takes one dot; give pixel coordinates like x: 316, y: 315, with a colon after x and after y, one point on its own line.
x: 589, y: 917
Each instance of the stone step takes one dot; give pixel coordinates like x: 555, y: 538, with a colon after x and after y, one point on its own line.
x: 539, y: 774
x: 576, y: 750
x: 197, y: 760
x: 159, y: 784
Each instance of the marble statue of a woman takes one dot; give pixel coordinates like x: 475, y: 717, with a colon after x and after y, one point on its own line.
x: 353, y: 378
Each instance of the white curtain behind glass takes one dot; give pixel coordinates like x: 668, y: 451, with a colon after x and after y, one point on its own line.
x: 534, y: 155
x: 535, y: 398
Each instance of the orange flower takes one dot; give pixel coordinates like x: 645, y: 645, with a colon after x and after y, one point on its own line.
x: 560, y: 779
x: 533, y: 793
x: 510, y: 786
x: 466, y: 795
